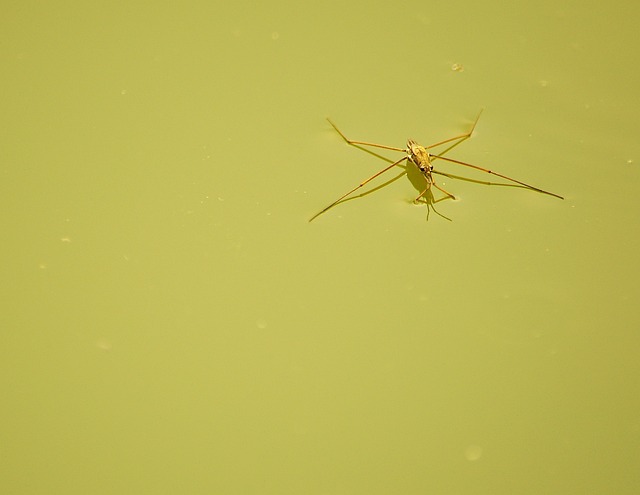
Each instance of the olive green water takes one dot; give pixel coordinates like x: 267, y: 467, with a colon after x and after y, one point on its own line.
x: 172, y: 323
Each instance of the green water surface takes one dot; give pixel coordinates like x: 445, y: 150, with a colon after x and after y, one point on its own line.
x: 172, y: 323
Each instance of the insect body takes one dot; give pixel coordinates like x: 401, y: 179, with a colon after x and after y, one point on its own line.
x: 422, y: 159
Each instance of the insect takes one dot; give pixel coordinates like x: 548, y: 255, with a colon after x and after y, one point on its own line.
x: 422, y: 159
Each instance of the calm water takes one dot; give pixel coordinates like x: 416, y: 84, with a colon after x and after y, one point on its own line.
x: 172, y: 322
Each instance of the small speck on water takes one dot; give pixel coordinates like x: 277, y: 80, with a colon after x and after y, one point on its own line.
x: 473, y: 452
x: 104, y: 345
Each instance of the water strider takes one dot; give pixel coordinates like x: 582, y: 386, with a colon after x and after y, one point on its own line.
x: 421, y: 158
